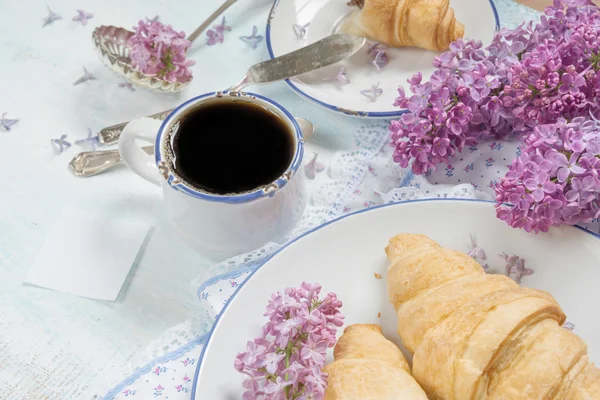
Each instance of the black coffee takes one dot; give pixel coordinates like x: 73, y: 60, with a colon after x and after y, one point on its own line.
x: 227, y: 147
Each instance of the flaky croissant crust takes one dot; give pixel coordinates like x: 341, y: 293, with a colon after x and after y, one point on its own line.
x: 478, y: 336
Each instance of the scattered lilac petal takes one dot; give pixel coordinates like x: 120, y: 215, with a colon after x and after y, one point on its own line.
x: 222, y: 27
x: 254, y: 39
x: 380, y: 60
x: 87, y: 76
x: 569, y: 326
x: 7, y: 123
x: 300, y: 30
x: 214, y: 37
x: 217, y: 34
x: 515, y: 267
x: 313, y: 167
x: 476, y: 252
x: 60, y: 144
x: 90, y: 141
x: 373, y: 93
x: 378, y: 56
x: 486, y: 267
x: 52, y: 16
x: 83, y: 16
x: 340, y: 77
x: 127, y: 85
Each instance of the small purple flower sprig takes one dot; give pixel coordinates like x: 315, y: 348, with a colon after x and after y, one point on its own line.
x: 286, y: 361
x: 156, y: 49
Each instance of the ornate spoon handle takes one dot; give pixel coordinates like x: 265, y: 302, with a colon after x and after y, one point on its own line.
x: 111, y: 134
x: 90, y: 163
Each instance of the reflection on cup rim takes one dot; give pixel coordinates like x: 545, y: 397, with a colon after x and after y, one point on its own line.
x: 269, y: 190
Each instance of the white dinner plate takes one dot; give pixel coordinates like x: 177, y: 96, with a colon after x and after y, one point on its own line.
x: 344, y: 255
x: 479, y: 17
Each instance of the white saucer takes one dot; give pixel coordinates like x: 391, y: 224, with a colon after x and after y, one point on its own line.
x: 479, y: 17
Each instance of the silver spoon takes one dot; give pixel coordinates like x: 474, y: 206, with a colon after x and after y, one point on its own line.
x: 90, y: 163
x: 111, y: 44
x: 323, y: 53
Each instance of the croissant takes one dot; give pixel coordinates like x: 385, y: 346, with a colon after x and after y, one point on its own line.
x: 428, y: 24
x: 479, y: 336
x: 367, y: 366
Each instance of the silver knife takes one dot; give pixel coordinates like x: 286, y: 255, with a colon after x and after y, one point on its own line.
x: 323, y: 53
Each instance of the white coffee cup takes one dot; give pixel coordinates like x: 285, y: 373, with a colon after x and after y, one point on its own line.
x: 222, y: 225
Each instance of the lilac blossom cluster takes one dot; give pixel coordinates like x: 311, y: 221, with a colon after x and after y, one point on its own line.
x: 286, y: 361
x: 538, y: 82
x: 156, y: 49
x: 556, y: 179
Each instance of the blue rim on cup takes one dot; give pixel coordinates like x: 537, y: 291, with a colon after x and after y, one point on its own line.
x: 366, y: 114
x: 269, y: 190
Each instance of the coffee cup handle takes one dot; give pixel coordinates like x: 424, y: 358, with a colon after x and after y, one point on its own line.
x: 132, y: 154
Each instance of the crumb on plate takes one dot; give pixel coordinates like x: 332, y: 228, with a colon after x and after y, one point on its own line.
x: 377, y: 276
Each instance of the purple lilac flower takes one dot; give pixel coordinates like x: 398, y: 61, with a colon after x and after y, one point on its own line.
x: 217, y: 34
x: 214, y: 37
x: 569, y: 326
x: 7, y: 123
x: 540, y: 185
x: 373, y: 93
x: 380, y: 60
x: 515, y: 267
x: 377, y: 56
x: 83, y: 16
x: 537, y: 81
x: 127, y: 85
x: 52, y: 16
x: 60, y: 144
x: 87, y: 76
x: 254, y: 39
x: 476, y: 252
x: 90, y: 141
x: 339, y: 77
x: 286, y: 361
x: 566, y: 167
x: 301, y: 30
x: 157, y: 50
x: 563, y: 185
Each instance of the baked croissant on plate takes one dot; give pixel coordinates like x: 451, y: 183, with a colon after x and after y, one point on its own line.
x: 477, y: 336
x: 428, y: 24
x: 367, y: 366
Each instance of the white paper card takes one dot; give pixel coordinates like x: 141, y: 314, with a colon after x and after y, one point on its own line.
x: 88, y: 255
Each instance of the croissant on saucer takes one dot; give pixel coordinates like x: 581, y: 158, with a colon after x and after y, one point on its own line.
x: 367, y: 366
x: 427, y: 24
x: 478, y: 336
